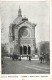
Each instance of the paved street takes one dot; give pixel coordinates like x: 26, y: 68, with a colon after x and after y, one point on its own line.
x: 24, y: 67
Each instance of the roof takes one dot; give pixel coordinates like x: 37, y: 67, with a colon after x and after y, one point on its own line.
x: 26, y: 22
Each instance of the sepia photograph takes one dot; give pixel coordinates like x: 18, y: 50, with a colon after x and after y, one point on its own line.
x: 25, y: 37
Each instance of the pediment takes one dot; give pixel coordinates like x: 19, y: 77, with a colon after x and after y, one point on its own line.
x: 25, y: 23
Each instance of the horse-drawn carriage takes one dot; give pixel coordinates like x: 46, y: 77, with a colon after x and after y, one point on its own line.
x: 15, y: 56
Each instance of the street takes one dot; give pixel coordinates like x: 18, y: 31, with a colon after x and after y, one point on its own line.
x: 24, y: 67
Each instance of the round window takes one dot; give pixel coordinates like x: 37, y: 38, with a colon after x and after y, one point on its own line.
x: 23, y: 32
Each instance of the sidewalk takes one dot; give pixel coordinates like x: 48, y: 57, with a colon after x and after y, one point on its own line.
x: 25, y: 58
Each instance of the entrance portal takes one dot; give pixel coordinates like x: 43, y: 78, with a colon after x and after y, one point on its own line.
x: 21, y: 50
x: 29, y: 50
x: 25, y: 49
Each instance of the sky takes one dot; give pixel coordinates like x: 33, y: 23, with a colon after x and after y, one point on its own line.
x: 37, y: 12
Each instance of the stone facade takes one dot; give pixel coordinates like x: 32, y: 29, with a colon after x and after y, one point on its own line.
x: 22, y: 35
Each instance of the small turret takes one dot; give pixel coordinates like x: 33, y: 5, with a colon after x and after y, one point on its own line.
x: 24, y: 19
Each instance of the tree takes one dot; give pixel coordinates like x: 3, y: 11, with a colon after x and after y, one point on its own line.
x: 3, y: 50
x: 45, y: 48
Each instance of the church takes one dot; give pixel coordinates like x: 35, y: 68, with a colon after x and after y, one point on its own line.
x: 22, y: 36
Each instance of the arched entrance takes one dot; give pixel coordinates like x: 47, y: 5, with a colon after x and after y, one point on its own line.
x: 29, y: 50
x: 25, y: 50
x: 21, y: 50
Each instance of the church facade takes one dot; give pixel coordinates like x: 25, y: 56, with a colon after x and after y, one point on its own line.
x: 22, y: 36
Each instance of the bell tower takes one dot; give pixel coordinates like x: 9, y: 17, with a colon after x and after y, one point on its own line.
x: 19, y: 15
x: 19, y: 12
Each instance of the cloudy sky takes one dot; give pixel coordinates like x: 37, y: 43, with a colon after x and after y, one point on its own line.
x: 36, y: 11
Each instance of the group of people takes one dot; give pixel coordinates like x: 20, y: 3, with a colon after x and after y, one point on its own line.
x: 44, y: 57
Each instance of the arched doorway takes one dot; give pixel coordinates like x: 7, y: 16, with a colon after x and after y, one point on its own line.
x: 21, y: 50
x: 29, y: 50
x: 25, y: 49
